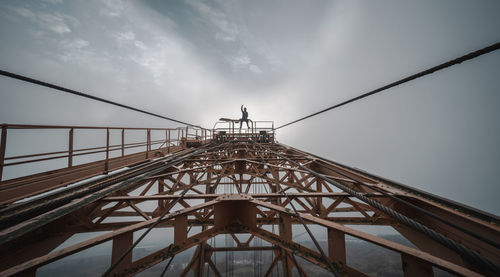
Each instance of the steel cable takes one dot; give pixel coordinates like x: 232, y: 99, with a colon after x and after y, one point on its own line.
x: 333, y: 270
x: 464, y: 251
x: 323, y: 255
x: 160, y: 218
x: 458, y: 60
x: 82, y: 94
x: 296, y: 264
x: 215, y: 242
x: 395, y: 198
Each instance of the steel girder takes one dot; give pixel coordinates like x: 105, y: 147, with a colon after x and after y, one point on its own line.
x: 240, y: 187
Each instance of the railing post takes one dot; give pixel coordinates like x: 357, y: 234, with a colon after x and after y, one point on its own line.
x: 273, y: 132
x: 168, y: 142
x: 149, y: 140
x: 3, y: 142
x: 148, y: 143
x: 70, y: 148
x: 123, y: 142
x: 178, y: 136
x: 106, y: 164
x: 166, y: 138
x: 187, y: 130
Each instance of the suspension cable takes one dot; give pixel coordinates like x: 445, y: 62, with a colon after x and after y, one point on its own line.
x: 189, y: 229
x: 82, y: 94
x: 441, y: 219
x: 458, y: 60
x: 301, y: 220
x: 171, y: 258
x: 464, y: 251
x: 160, y: 219
x: 320, y: 249
x: 296, y: 263
x: 169, y: 261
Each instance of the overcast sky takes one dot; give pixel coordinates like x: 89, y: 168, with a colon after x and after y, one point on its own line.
x: 198, y: 61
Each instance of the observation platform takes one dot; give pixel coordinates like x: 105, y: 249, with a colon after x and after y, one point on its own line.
x: 229, y: 130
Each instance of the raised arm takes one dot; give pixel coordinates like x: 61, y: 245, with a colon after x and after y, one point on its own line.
x: 241, y: 108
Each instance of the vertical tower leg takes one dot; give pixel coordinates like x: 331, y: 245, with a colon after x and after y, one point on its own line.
x: 121, y: 244
x: 200, y: 265
x: 336, y: 245
x: 413, y: 267
x: 180, y: 229
x: 285, y: 228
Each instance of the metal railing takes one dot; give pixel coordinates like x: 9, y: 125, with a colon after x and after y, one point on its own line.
x: 233, y: 131
x: 170, y: 137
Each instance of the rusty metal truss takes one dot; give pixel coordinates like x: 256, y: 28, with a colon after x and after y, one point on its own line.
x: 226, y: 182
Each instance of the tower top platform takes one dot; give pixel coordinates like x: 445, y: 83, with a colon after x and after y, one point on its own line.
x: 227, y: 129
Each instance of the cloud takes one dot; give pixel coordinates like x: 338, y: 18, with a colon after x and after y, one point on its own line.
x: 243, y: 62
x: 128, y: 37
x: 139, y: 44
x: 192, y: 70
x: 74, y: 43
x: 77, y: 51
x: 255, y: 69
x: 227, y: 31
x: 112, y: 8
x: 125, y: 36
x: 53, y: 1
x: 228, y: 39
x: 161, y: 57
x: 23, y: 12
x: 54, y: 22
x: 224, y: 37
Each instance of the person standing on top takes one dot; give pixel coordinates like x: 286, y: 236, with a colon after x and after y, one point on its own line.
x: 244, y: 116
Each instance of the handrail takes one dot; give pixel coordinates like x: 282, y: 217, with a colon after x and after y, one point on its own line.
x: 172, y: 137
x: 30, y: 126
x: 133, y: 145
x: 254, y: 125
x: 74, y: 155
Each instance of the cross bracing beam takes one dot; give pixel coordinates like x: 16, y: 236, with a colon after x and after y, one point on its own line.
x: 260, y: 186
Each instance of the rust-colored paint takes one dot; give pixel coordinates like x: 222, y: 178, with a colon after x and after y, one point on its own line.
x: 242, y: 187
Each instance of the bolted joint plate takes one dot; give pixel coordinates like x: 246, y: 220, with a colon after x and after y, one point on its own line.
x: 234, y: 211
x: 234, y: 197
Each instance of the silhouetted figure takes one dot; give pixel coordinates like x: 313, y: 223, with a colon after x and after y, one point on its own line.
x: 244, y: 116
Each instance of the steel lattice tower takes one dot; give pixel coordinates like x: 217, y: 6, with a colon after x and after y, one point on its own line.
x: 198, y: 184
